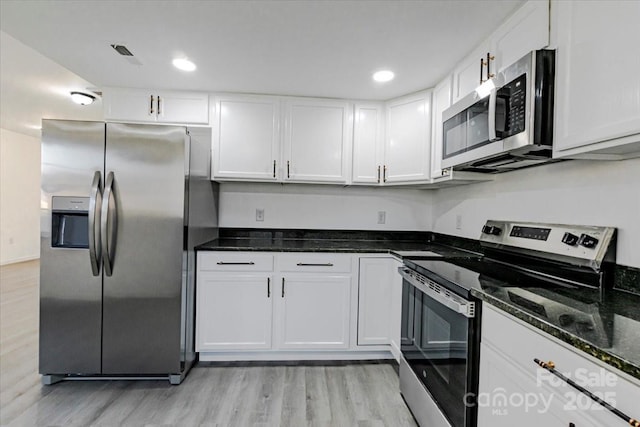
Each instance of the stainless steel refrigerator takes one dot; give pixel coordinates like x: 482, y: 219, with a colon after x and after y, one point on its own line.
x: 122, y: 207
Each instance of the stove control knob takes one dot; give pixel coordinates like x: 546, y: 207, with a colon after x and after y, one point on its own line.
x: 588, y: 241
x: 570, y: 239
x: 493, y: 230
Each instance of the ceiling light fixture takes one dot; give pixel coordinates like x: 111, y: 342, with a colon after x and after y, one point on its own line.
x: 184, y: 64
x: 82, y: 98
x: 383, y: 76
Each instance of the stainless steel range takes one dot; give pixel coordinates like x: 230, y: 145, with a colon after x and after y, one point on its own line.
x: 441, y: 318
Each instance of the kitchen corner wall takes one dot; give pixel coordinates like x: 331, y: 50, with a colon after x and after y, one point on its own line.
x: 19, y: 197
x: 323, y: 207
x: 572, y: 192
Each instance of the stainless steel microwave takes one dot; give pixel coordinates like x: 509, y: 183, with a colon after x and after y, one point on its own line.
x: 507, y: 122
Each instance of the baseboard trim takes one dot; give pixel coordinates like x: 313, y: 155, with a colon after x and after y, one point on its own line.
x: 244, y: 356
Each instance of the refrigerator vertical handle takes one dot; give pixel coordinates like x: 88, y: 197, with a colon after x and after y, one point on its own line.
x: 95, y: 202
x: 109, y: 224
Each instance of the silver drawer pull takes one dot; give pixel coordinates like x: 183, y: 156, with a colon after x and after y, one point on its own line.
x: 303, y: 264
x: 236, y: 263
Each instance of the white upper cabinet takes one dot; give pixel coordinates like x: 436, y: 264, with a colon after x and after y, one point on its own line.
x: 142, y: 105
x: 467, y: 74
x: 597, y: 106
x: 441, y: 101
x: 368, y: 143
x: 317, y: 140
x: 526, y: 30
x: 407, y: 144
x: 246, y: 138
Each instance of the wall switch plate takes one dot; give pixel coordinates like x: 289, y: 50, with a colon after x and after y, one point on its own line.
x: 458, y: 222
x: 259, y: 214
x: 382, y: 217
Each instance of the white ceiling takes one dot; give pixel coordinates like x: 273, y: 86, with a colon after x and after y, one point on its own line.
x: 33, y: 87
x: 306, y: 48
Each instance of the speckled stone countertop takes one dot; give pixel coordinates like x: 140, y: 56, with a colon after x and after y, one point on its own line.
x: 395, y: 243
x: 605, y: 326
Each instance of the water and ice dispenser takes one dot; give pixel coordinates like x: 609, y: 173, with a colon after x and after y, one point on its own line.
x: 70, y: 222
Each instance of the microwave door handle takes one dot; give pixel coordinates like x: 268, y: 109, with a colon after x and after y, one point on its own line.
x: 493, y: 99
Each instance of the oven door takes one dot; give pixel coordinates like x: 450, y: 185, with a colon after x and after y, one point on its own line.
x: 440, y: 345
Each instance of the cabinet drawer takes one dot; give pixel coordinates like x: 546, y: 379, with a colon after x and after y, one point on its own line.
x: 315, y: 263
x: 520, y: 344
x: 235, y: 261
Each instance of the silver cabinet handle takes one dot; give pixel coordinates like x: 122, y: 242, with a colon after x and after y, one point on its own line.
x: 384, y: 173
x: 288, y: 166
x: 274, y: 168
x: 304, y: 264
x: 378, y: 174
x: 268, y: 287
x: 109, y: 224
x: 159, y: 103
x: 235, y: 263
x: 283, y: 287
x: 95, y: 200
x: 151, y: 105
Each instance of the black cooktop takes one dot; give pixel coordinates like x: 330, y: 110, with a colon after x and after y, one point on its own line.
x: 460, y: 275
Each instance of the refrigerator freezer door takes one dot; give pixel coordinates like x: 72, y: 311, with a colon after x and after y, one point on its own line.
x: 70, y: 294
x: 143, y: 295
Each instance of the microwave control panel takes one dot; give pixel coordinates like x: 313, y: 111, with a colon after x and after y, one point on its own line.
x: 511, y: 105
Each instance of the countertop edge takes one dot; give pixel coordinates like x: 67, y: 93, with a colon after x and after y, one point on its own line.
x: 578, y: 343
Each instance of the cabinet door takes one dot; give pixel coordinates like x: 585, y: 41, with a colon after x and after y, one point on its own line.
x: 526, y: 30
x: 313, y: 311
x: 234, y: 311
x: 510, y: 396
x: 368, y: 148
x: 407, y: 146
x: 246, y: 138
x: 441, y: 101
x: 317, y: 141
x: 374, y: 300
x: 466, y: 75
x: 597, y: 73
x: 131, y: 105
x: 183, y: 107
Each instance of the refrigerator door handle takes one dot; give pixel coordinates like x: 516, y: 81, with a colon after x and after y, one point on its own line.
x: 95, y: 245
x: 109, y: 224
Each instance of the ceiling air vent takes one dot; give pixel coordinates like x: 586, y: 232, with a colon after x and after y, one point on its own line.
x: 122, y: 50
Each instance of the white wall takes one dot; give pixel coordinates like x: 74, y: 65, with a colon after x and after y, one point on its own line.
x: 19, y: 197
x: 573, y: 192
x: 323, y: 207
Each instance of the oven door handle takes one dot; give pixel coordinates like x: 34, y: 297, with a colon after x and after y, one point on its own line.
x: 439, y: 293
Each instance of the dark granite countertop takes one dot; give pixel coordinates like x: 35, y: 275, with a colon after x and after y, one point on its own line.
x: 398, y: 248
x: 397, y: 243
x: 605, y: 326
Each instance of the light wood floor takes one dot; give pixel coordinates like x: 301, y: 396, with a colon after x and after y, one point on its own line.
x: 353, y: 394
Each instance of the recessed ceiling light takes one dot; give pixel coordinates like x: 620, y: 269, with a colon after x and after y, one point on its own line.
x: 383, y: 76
x: 184, y: 64
x: 82, y: 98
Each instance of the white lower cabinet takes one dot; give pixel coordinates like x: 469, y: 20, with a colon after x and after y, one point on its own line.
x: 234, y: 311
x: 514, y: 390
x: 374, y: 300
x: 296, y: 305
x: 312, y: 311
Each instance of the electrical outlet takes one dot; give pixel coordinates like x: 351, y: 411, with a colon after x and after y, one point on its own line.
x: 458, y: 222
x: 382, y: 217
x: 260, y: 215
